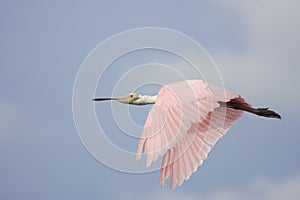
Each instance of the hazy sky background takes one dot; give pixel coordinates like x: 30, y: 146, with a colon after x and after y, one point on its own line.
x: 255, y: 44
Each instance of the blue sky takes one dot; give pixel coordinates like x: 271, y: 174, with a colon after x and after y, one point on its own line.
x: 254, y: 44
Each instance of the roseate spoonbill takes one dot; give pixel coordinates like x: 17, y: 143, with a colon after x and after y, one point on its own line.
x: 187, y: 119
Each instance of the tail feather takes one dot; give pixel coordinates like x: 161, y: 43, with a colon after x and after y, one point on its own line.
x: 264, y: 112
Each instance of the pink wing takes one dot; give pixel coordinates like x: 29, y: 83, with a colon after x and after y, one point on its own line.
x: 184, y: 123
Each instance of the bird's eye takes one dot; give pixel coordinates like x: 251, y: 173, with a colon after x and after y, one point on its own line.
x: 131, y: 95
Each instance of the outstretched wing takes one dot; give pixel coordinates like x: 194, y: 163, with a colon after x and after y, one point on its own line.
x: 182, y: 160
x: 180, y: 121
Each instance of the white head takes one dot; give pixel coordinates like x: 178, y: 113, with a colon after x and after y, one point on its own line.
x: 132, y: 98
x: 128, y: 99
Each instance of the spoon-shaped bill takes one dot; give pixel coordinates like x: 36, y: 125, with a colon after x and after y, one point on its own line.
x: 104, y: 99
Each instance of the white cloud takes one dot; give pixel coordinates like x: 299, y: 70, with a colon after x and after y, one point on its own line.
x: 259, y: 189
x: 267, y: 70
x: 258, y: 80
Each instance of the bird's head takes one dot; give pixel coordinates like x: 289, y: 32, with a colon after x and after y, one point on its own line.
x: 129, y: 98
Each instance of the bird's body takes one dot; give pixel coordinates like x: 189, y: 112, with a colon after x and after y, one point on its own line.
x: 187, y: 119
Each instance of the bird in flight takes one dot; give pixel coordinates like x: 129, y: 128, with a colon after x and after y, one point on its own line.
x: 187, y: 119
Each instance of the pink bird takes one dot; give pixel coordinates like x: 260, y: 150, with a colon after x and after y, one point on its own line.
x: 187, y: 119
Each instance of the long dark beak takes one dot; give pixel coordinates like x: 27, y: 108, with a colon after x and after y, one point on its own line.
x: 104, y: 99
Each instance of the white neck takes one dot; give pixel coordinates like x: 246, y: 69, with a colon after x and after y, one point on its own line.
x: 145, y: 99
